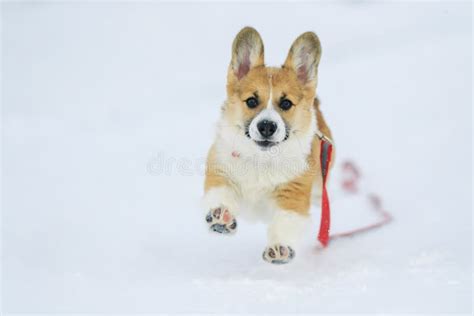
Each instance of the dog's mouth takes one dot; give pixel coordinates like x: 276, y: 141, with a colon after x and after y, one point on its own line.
x: 265, y: 143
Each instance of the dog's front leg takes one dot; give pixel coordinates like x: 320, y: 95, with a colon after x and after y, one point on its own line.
x: 220, y: 206
x: 288, y: 223
x: 220, y: 201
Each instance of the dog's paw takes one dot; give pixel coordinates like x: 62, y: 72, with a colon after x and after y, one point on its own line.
x: 278, y: 254
x: 220, y: 220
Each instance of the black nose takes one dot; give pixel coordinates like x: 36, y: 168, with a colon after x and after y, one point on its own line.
x: 267, y: 128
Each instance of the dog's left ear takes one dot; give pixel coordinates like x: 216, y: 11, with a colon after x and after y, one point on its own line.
x: 304, y: 57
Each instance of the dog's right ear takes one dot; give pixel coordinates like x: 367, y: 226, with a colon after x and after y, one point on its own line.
x: 247, y: 52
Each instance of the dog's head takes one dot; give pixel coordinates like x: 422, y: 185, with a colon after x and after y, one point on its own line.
x: 271, y: 106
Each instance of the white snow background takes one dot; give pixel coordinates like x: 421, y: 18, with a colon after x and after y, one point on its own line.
x: 98, y: 96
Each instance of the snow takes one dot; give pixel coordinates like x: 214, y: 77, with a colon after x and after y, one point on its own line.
x: 109, y: 109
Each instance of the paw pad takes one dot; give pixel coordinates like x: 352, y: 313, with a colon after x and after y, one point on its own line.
x: 278, y: 254
x: 221, y: 221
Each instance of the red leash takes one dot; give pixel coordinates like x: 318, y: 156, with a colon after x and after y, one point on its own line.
x: 325, y: 157
x: 350, y: 185
x: 377, y: 207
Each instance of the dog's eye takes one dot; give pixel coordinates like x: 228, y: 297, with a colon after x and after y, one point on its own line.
x: 252, y: 102
x: 285, y: 104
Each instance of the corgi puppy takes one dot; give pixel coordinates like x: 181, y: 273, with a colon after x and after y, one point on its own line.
x: 264, y: 163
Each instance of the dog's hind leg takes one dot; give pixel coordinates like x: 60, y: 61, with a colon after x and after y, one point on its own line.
x: 284, y: 233
x: 289, y: 222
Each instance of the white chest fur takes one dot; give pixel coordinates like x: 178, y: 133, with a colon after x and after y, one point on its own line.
x: 254, y: 173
